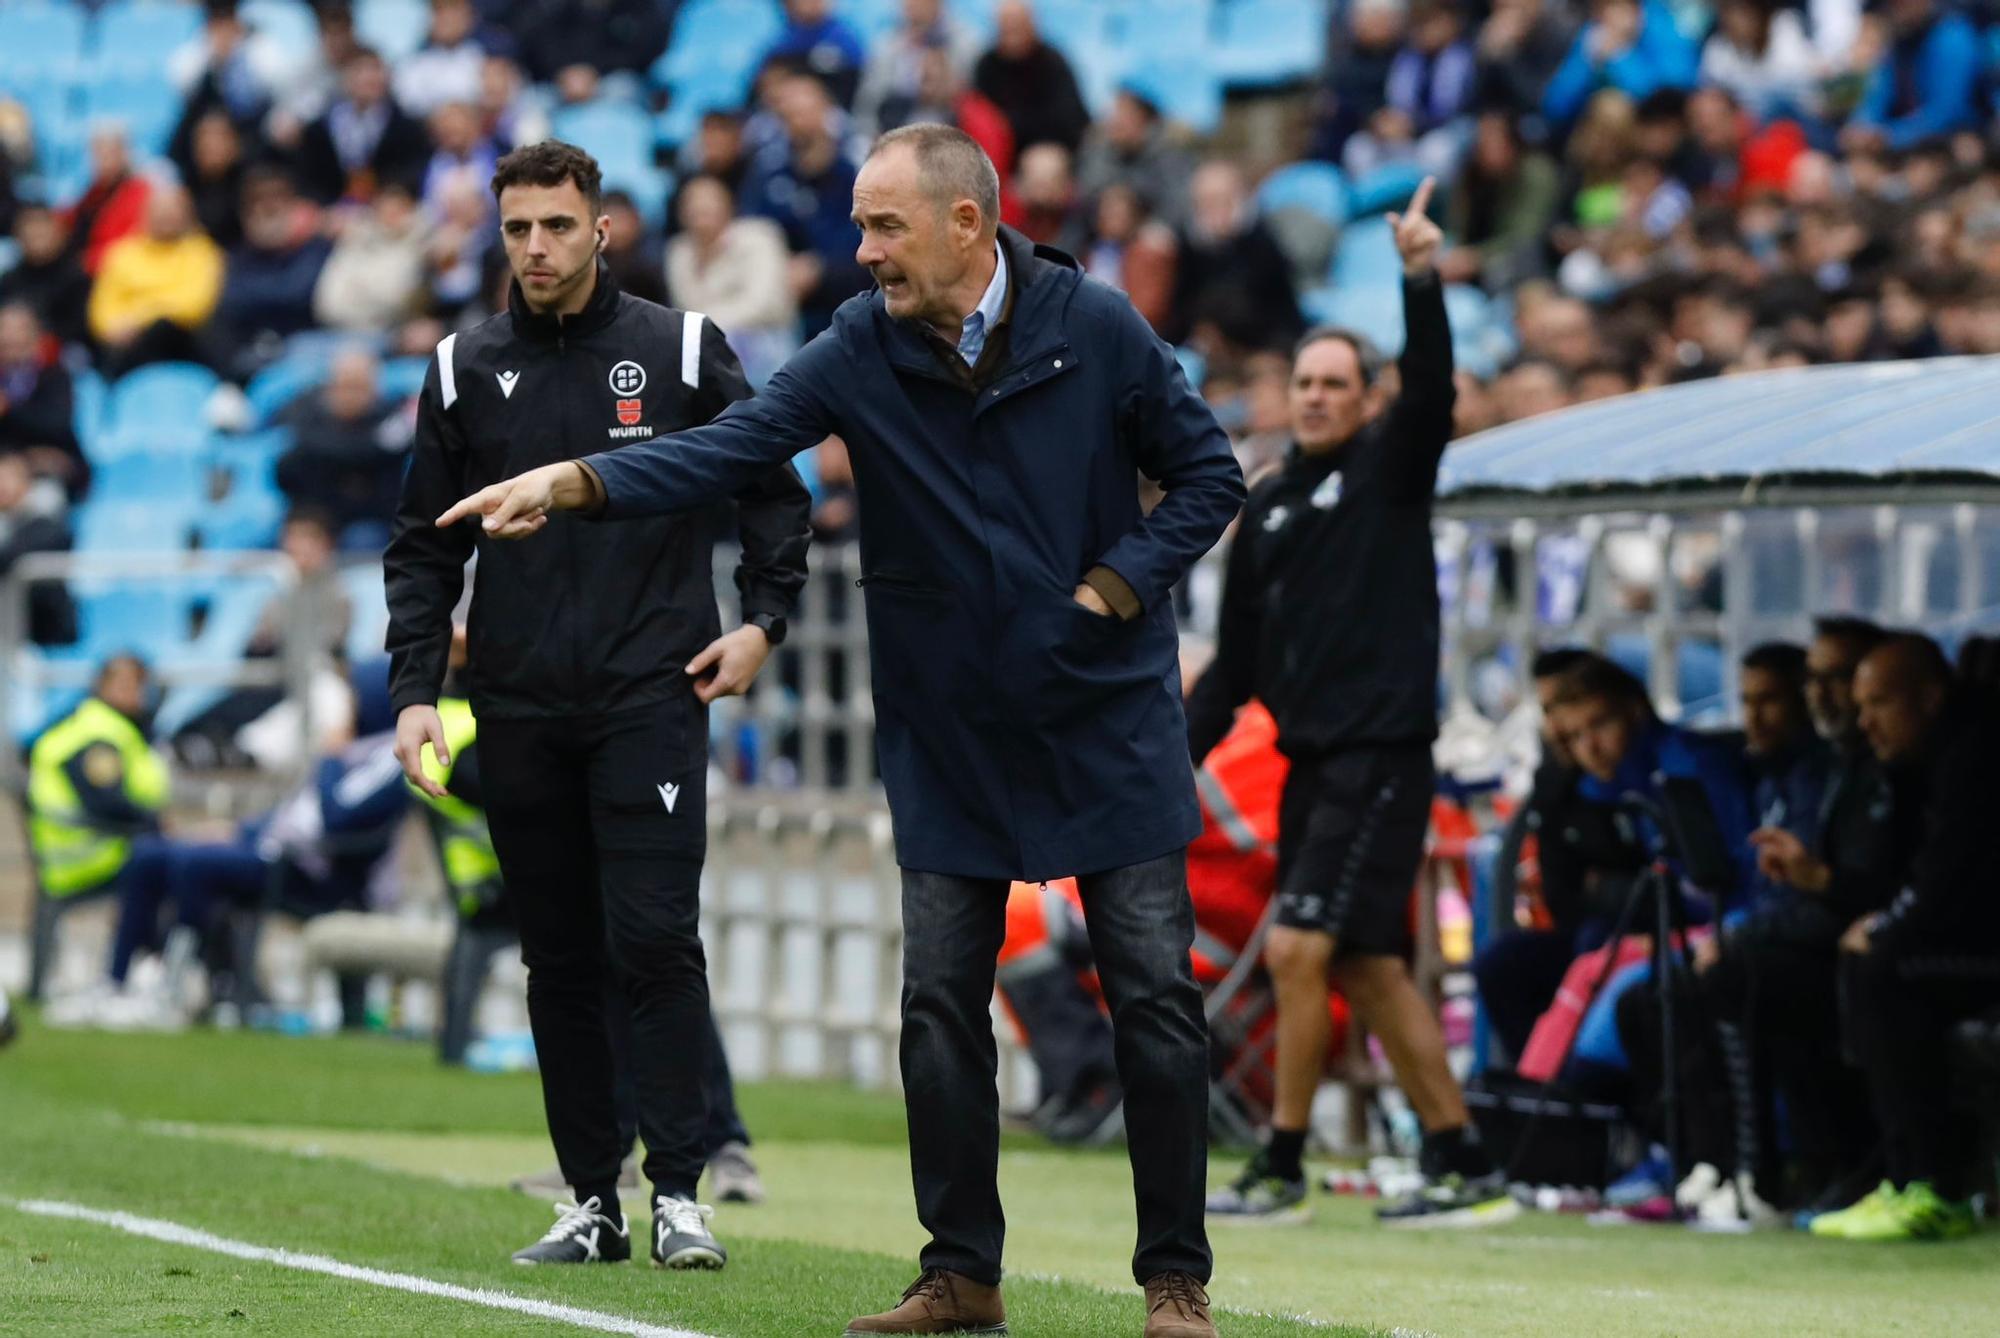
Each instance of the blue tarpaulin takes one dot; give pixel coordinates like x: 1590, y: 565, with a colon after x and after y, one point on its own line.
x: 1936, y: 418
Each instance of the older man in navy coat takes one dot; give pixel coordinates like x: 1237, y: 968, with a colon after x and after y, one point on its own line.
x: 999, y: 408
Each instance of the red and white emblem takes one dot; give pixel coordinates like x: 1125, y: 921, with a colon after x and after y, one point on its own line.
x: 629, y: 411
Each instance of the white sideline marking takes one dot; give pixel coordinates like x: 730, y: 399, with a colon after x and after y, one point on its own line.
x: 176, y: 1234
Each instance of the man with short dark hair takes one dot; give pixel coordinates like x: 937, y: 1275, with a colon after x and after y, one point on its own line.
x: 1330, y: 619
x: 594, y: 656
x: 998, y: 411
x: 364, y: 139
x: 1933, y: 956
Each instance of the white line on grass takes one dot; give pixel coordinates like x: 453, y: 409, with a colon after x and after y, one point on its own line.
x: 176, y: 1234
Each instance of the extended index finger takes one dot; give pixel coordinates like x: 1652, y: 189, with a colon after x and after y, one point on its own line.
x: 1422, y: 199
x: 463, y: 507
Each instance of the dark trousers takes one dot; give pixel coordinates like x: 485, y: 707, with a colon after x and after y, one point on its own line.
x: 1519, y: 972
x: 1898, y: 1007
x: 600, y: 826
x: 1141, y: 925
x: 725, y: 1123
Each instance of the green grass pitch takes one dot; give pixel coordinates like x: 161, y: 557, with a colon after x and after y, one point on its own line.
x: 364, y: 1150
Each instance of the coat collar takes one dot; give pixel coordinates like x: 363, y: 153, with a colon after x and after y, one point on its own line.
x: 1040, y: 280
x: 596, y: 314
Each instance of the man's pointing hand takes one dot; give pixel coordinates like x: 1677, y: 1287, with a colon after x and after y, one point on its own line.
x: 518, y: 507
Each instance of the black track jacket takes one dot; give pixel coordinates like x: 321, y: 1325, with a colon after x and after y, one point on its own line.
x: 589, y: 617
x: 1330, y: 605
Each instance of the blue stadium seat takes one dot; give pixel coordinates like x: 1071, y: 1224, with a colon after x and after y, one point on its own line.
x: 1389, y: 187
x: 1075, y: 25
x: 176, y: 476
x: 1316, y: 187
x: 1266, y: 42
x: 136, y: 36
x: 1375, y: 310
x: 93, y: 400
x: 718, y: 33
x: 369, y: 625
x: 158, y: 407
x: 148, y: 106
x: 251, y: 507
x: 649, y: 187
x: 41, y: 37
x: 694, y: 95
x: 288, y: 23
x: 148, y: 616
x: 1366, y: 255
x: 619, y: 135
x: 133, y: 527
x: 403, y: 377
x: 1168, y: 29
x: 275, y: 386
x: 396, y: 28
x: 1183, y: 87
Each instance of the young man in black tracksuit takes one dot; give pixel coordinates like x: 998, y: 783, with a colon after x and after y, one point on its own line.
x: 592, y: 660
x: 1330, y: 618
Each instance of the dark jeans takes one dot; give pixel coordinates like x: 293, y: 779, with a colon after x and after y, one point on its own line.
x: 1519, y: 972
x: 144, y: 885
x: 605, y: 878
x: 1141, y: 925
x: 1898, y: 1008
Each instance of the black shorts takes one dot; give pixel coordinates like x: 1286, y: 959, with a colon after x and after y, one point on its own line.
x: 1351, y: 832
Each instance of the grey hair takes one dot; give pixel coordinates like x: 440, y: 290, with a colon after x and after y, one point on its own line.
x: 951, y: 166
x: 1365, y: 352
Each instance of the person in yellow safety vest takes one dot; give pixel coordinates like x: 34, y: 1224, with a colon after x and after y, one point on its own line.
x: 96, y: 790
x: 470, y: 865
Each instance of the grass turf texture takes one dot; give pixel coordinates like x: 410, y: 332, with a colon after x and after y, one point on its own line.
x: 365, y: 1150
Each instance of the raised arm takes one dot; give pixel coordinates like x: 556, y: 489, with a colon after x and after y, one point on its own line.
x: 1420, y: 419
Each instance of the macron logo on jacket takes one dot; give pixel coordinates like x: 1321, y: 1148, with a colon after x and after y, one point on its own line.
x: 670, y: 795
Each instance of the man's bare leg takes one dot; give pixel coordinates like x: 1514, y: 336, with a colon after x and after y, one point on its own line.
x: 1298, y: 960
x: 1387, y: 1002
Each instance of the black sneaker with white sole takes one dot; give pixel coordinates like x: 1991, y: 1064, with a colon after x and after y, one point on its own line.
x: 681, y: 1238
x: 582, y: 1235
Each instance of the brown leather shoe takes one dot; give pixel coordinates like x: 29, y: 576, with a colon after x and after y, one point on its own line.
x: 1177, y: 1307
x: 939, y: 1302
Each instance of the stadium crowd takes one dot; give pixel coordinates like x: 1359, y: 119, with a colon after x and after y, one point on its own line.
x: 1635, y: 194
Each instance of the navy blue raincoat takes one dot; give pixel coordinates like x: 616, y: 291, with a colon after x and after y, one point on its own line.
x: 1020, y: 734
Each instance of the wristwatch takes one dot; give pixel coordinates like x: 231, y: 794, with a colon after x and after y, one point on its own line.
x: 770, y: 624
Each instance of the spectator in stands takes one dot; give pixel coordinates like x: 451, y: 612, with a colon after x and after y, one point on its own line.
x: 230, y: 67
x: 1427, y: 95
x: 1500, y: 208
x: 1633, y: 47
x: 1521, y: 46
x: 1045, y: 206
x: 895, y: 65
x: 461, y: 255
x: 1933, y: 957
x: 805, y: 184
x: 463, y: 155
x: 1760, y: 55
x: 1131, y: 147
x: 31, y: 516
x: 1031, y: 82
x: 374, y: 277
x: 1531, y: 386
x: 943, y: 98
x: 1359, y: 55
x: 363, y: 140
x: 1586, y: 869
x: 1562, y: 330
x: 1133, y: 252
x: 561, y: 38
x: 633, y: 253
x: 510, y: 114
x: 718, y: 151
x: 313, y: 83
x: 268, y: 295
x: 113, y: 205
x: 157, y: 289
x: 733, y: 269
x: 38, y: 405
x: 213, y: 171
x: 1602, y: 381
x: 451, y: 64
x: 349, y: 449
x: 1926, y: 87
x: 46, y: 276
x: 817, y: 39
x: 96, y: 789
x: 1230, y: 275
x: 317, y: 605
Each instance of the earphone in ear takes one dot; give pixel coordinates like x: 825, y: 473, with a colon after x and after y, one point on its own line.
x: 602, y: 241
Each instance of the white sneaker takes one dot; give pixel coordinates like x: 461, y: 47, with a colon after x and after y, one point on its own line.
x: 1695, y: 1191
x: 1734, y: 1207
